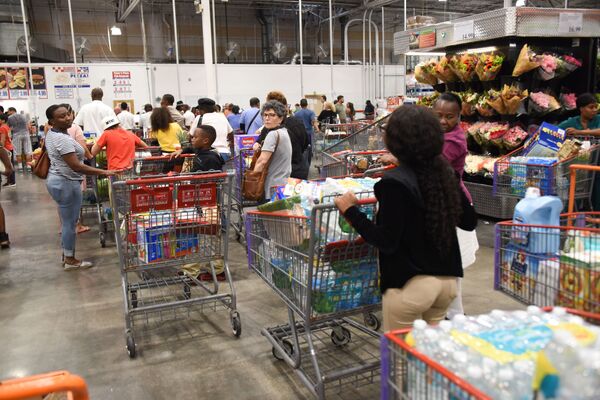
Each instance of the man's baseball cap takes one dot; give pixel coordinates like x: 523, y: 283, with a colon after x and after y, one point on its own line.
x: 109, y: 121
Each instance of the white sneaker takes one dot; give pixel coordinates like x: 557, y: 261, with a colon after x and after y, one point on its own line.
x: 81, y: 265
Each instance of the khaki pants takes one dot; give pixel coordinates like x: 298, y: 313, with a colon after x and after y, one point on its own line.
x: 422, y: 297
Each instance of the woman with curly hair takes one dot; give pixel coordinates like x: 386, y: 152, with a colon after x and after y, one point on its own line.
x: 420, y: 206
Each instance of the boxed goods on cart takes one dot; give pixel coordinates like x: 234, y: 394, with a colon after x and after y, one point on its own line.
x: 500, y: 355
x: 244, y: 142
x: 551, y: 262
x: 543, y: 162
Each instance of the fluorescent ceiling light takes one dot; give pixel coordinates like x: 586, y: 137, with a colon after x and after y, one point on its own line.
x: 115, y: 30
x: 520, y: 3
x: 422, y: 54
x: 480, y: 50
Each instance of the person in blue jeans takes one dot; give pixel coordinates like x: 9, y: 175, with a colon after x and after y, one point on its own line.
x: 311, y: 124
x: 66, y: 172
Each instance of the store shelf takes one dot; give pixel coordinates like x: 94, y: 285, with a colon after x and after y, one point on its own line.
x: 505, y: 22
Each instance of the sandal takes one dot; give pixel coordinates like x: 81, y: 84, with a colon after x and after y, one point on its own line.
x: 82, y: 229
x: 80, y: 265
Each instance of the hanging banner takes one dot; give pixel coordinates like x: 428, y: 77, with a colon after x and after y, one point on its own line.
x: 18, y: 84
x: 122, y: 84
x: 3, y: 84
x: 40, y: 89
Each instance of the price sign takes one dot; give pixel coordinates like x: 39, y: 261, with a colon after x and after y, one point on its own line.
x: 570, y: 23
x: 464, y: 30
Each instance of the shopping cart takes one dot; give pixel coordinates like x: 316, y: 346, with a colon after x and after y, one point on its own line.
x: 367, y: 136
x: 165, y: 227
x: 325, y: 273
x: 514, y: 173
x: 408, y: 374
x: 351, y: 162
x: 551, y: 265
x: 43, y: 385
x: 239, y: 164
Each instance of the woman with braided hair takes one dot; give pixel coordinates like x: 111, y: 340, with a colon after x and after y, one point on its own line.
x: 420, y: 206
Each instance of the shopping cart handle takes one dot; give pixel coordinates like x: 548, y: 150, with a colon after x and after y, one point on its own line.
x: 178, y: 178
x: 43, y: 384
x: 167, y: 157
x: 370, y: 200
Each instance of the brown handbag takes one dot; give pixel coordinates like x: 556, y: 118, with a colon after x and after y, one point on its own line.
x: 42, y: 166
x: 253, y: 184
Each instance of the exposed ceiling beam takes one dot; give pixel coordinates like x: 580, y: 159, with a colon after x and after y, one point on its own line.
x: 125, y: 8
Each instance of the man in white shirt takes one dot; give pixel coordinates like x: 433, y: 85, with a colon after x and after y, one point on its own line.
x: 91, y: 115
x: 188, y: 116
x: 208, y: 116
x: 145, y: 119
x: 126, y: 119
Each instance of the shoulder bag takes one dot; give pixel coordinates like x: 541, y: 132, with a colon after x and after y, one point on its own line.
x: 253, y: 184
x: 42, y: 166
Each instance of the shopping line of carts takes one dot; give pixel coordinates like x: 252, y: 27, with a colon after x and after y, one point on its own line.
x: 352, y: 163
x: 172, y: 241
x: 326, y: 275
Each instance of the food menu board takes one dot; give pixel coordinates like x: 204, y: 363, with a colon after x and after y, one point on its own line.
x: 39, y: 82
x: 18, y: 85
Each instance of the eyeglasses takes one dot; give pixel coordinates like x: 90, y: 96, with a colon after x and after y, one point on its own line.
x: 270, y: 115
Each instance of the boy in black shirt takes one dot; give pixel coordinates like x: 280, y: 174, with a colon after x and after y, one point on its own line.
x: 207, y: 158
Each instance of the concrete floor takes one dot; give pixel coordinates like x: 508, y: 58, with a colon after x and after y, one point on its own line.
x: 55, y: 320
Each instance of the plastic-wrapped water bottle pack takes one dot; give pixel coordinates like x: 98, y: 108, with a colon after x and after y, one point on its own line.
x: 511, y: 355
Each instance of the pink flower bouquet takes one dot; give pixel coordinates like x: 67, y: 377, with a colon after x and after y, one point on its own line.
x: 567, y: 64
x: 548, y: 65
x: 541, y: 103
x: 568, y: 101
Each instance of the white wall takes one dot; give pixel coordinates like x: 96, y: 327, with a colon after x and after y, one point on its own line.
x: 236, y: 83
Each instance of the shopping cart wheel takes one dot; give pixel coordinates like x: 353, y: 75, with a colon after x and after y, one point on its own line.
x: 130, y: 345
x: 340, y: 336
x: 236, y: 324
x: 287, y: 346
x: 187, y: 292
x: 134, y: 300
x: 372, y: 322
x: 102, y: 240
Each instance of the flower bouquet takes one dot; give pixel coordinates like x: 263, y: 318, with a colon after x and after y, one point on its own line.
x: 425, y: 72
x: 568, y: 101
x: 541, y: 103
x: 483, y: 108
x: 512, y: 97
x: 429, y: 100
x: 443, y: 71
x: 463, y: 66
x: 526, y: 62
x: 548, y: 66
x: 495, y: 101
x: 469, y: 101
x: 488, y: 65
x: 514, y: 138
x: 567, y: 64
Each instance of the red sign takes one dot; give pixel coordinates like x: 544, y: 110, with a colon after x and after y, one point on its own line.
x: 121, y: 75
x: 427, y: 39
x: 204, y: 195
x: 143, y: 200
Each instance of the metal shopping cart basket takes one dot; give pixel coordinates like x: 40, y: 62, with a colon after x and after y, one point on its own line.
x: 165, y: 226
x: 325, y: 273
x: 367, y: 136
x: 551, y: 265
x: 239, y: 164
x: 514, y: 173
x: 44, y: 386
x: 408, y: 374
x: 351, y: 162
